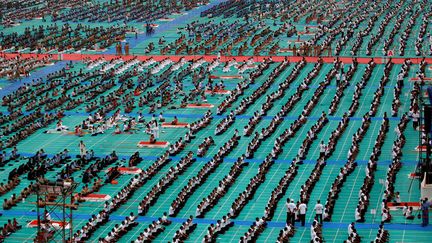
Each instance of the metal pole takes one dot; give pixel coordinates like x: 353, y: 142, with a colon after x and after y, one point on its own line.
x: 64, y: 218
x: 38, y: 213
x: 70, y: 219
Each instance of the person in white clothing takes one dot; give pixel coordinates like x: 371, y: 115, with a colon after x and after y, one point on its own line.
x: 302, y: 213
x: 82, y: 149
x: 291, y: 208
x: 322, y: 149
x: 351, y: 228
x: 319, y: 211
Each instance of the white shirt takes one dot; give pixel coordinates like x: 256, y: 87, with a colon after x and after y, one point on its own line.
x: 319, y: 208
x: 291, y: 207
x: 322, y: 148
x: 302, y: 208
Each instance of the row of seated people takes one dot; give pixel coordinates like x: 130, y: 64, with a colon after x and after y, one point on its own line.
x: 19, y: 123
x: 286, y: 233
x: 268, y: 212
x: 378, y: 94
x: 10, y: 185
x: 397, y: 91
x: 249, y: 100
x: 241, y: 86
x: 153, y: 230
x: 218, y: 192
x: 382, y: 236
x: 32, y: 162
x: 184, y: 231
x: 97, y: 184
x: 4, y: 158
x: 294, y: 211
x: 348, y: 167
x: 249, y: 192
x: 5, y: 118
x: 272, y: 97
x: 172, y: 174
x: 353, y: 236
x: 125, y: 11
x: 379, y: 33
x: 137, y: 181
x: 360, y: 86
x: 74, y: 166
x: 93, y: 170
x: 9, y: 228
x: 405, y: 36
x: 254, y: 231
x: 316, y: 232
x: 294, y: 99
x: 63, y: 38
x: 34, y: 9
x: 86, y: 231
x: 280, y: 189
x: 120, y: 230
x: 26, y: 92
x: 225, y: 123
x: 43, y: 164
x: 370, y: 172
x: 360, y: 38
x: 15, y: 68
x: 342, y: 82
x: 175, y: 148
x: 219, y: 228
x: 396, y: 164
x: 202, y: 175
x: 28, y: 129
x: 307, y: 187
x: 421, y: 35
x: 204, y: 146
x: 8, y: 203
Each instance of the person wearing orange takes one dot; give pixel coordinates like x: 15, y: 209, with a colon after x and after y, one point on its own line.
x: 126, y: 49
x: 175, y: 121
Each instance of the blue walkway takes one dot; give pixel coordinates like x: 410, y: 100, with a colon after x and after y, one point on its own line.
x: 271, y: 224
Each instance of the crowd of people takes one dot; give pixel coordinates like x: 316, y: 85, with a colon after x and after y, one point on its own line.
x: 9, y: 228
x: 153, y: 230
x: 108, y: 89
x: 185, y: 229
x: 369, y: 179
x: 202, y: 175
x: 125, y: 11
x: 20, y: 67
x: 45, y: 39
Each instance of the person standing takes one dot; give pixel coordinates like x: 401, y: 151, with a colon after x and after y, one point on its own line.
x: 126, y: 48
x: 302, y: 213
x: 415, y: 118
x: 83, y: 149
x: 291, y: 208
x: 322, y: 149
x: 425, y: 212
x: 319, y: 211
